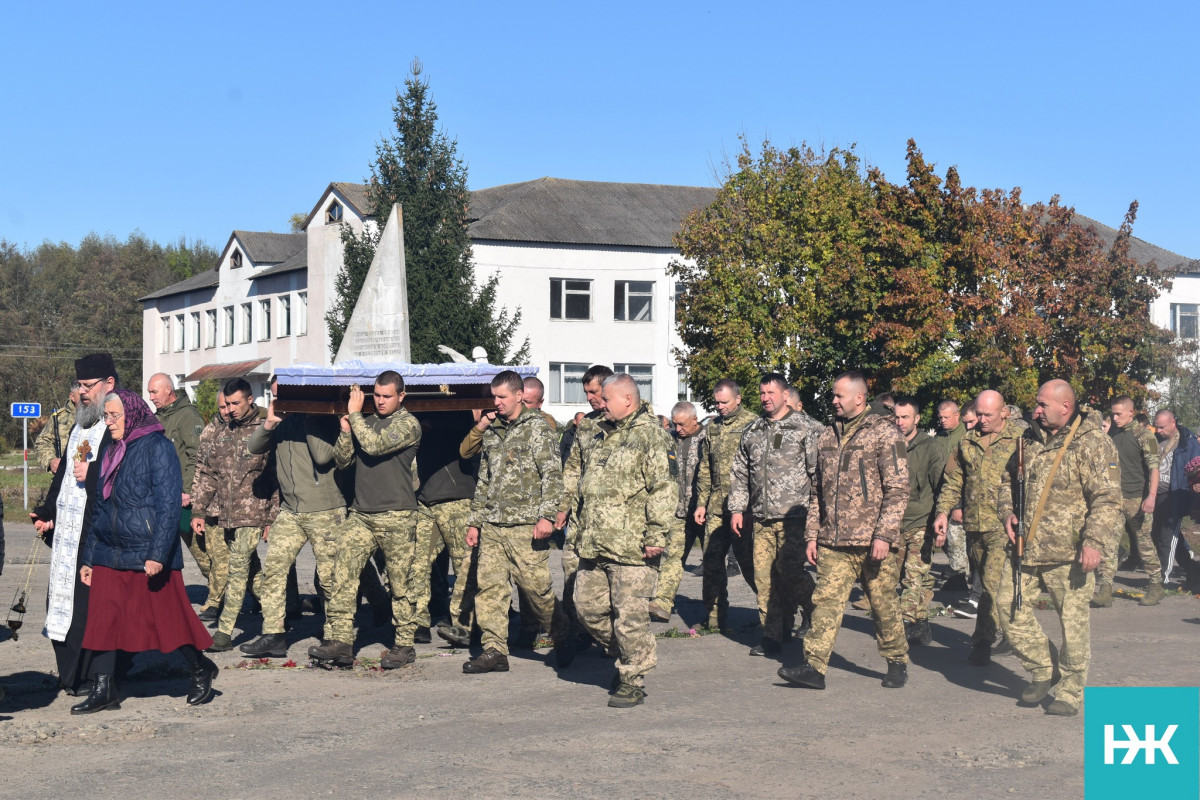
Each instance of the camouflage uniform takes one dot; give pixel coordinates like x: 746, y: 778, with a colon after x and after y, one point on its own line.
x: 972, y: 480
x: 584, y: 436
x: 383, y: 516
x: 445, y: 525
x: 956, y: 537
x: 51, y: 443
x: 182, y: 424
x: 520, y: 483
x: 721, y: 441
x: 313, y: 507
x: 240, y: 490
x: 1084, y: 508
x: 859, y: 495
x: 210, y: 551
x: 771, y: 478
x: 1136, y: 523
x: 926, y: 460
x: 626, y: 500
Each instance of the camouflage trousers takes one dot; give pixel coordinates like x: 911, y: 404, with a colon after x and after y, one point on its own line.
x: 243, y: 567
x: 393, y: 532
x: 613, y: 601
x: 288, y: 535
x: 1070, y: 590
x: 956, y: 548
x: 670, y: 570
x: 783, y: 582
x: 1137, y: 528
x: 196, y: 545
x: 216, y: 554
x: 990, y: 551
x: 718, y: 539
x: 444, y: 525
x: 916, y: 584
x: 570, y: 566
x: 509, y: 555
x: 837, y: 570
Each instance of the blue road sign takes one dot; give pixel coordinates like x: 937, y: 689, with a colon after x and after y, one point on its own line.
x: 26, y: 410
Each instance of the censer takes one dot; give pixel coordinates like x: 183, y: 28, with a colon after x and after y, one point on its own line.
x: 16, y: 612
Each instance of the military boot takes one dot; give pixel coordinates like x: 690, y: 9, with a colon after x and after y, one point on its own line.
x: 1154, y: 594
x: 981, y: 654
x: 918, y: 633
x: 627, y: 696
x: 221, y: 642
x: 397, y: 657
x: 339, y: 654
x: 489, y: 661
x: 1103, y: 596
x: 766, y: 647
x: 269, y: 645
x: 716, y: 616
x: 803, y: 674
x: 897, y: 675
x: 1061, y: 708
x: 456, y: 635
x: 1035, y: 692
x: 658, y: 613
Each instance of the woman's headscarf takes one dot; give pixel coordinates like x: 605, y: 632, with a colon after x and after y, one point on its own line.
x: 139, y: 421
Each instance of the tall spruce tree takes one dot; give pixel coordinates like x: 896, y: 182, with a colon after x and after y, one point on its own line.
x: 419, y: 168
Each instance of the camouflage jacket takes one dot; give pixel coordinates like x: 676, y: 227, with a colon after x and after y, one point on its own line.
x: 627, y: 493
x: 687, y: 459
x: 1084, y: 505
x: 972, y: 477
x: 721, y: 440
x: 948, y: 440
x: 182, y: 424
x: 861, y: 486
x: 774, y: 466
x: 590, y: 430
x: 44, y: 450
x: 233, y: 486
x: 926, y: 460
x: 382, y: 450
x: 520, y: 473
x: 1137, y: 449
x: 472, y: 443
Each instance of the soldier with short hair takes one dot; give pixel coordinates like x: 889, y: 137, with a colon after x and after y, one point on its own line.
x: 770, y: 483
x: 382, y: 447
x: 926, y: 460
x: 241, y: 491
x: 1072, y: 509
x: 625, y: 502
x: 517, y: 496
x: 51, y: 444
x: 1137, y: 450
x: 859, y: 494
x: 972, y: 479
x: 688, y: 433
x: 721, y: 441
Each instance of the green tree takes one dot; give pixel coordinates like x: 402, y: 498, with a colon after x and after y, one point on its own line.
x: 418, y: 167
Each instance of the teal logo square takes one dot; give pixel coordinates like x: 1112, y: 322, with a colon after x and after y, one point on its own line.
x: 1135, y: 738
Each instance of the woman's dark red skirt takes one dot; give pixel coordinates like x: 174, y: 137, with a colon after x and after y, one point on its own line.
x: 131, y: 611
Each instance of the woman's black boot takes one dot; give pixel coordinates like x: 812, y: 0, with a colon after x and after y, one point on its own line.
x: 104, y: 695
x: 201, y: 675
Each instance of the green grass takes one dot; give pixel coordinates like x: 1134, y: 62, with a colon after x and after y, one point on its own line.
x: 11, y: 482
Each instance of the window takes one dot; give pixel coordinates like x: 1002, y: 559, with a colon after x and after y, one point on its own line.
x: 566, y: 383
x: 247, y: 323
x: 570, y: 299
x: 676, y: 309
x: 302, y: 312
x: 643, y: 376
x: 633, y: 301
x: 285, y: 315
x: 235, y: 259
x: 195, y: 331
x: 180, y: 333
x: 684, y: 392
x: 165, y: 335
x: 333, y: 214
x: 210, y: 328
x: 264, y: 330
x: 228, y: 340
x: 1185, y: 320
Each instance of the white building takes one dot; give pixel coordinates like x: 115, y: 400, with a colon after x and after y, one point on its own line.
x: 586, y: 262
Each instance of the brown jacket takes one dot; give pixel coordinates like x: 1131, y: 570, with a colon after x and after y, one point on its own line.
x: 232, y: 485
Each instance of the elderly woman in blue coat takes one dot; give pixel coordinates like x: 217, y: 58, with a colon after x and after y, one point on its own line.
x: 132, y: 560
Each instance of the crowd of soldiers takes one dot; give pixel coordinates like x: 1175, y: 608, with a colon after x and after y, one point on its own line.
x: 801, y: 510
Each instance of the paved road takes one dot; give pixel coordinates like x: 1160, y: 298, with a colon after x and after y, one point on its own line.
x: 716, y: 723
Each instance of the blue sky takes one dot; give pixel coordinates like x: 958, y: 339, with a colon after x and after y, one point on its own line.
x: 191, y: 120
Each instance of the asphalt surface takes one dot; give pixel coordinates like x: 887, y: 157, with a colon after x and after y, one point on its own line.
x: 716, y: 723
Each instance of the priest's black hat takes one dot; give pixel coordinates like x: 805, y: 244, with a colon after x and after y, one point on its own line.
x: 96, y: 365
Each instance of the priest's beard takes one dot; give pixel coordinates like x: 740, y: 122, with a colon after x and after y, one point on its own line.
x: 88, y: 415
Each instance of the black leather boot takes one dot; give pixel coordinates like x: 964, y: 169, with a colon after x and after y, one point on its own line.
x: 200, y: 680
x: 104, y: 695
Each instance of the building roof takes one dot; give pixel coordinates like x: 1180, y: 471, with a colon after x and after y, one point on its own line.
x: 234, y: 369
x: 1142, y: 251
x: 353, y: 193
x: 554, y: 210
x: 268, y: 248
x: 297, y: 261
x: 204, y: 280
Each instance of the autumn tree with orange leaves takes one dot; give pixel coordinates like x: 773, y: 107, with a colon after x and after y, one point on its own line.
x: 805, y: 265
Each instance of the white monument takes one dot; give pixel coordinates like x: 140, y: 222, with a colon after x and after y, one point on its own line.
x: 378, y: 329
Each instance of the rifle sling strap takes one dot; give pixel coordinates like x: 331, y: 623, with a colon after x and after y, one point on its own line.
x: 1041, y: 506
